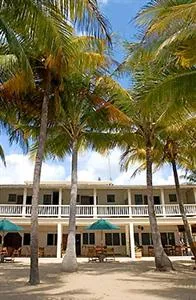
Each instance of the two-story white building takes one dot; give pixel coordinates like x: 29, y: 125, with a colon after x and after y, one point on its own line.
x: 125, y: 206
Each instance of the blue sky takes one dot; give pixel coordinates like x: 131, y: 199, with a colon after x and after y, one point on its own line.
x: 120, y: 13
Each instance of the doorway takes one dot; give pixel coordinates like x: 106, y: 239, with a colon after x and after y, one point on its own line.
x: 78, y: 243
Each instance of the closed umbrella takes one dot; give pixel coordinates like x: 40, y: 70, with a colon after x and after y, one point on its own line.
x: 102, y: 225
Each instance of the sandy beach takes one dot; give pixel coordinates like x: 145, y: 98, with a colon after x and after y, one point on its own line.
x: 96, y: 281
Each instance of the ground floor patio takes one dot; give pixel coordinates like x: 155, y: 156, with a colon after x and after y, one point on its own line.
x: 122, y: 279
x: 123, y: 242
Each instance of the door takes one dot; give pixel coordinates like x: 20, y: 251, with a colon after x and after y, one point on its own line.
x: 87, y: 200
x: 55, y: 198
x: 78, y: 244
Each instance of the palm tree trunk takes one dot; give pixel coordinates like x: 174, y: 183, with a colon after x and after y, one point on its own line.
x: 34, y: 268
x: 69, y: 263
x: 182, y: 210
x: 162, y: 262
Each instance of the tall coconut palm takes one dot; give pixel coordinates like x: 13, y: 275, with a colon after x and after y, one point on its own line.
x: 78, y: 127
x: 53, y: 53
x: 178, y: 150
x: 137, y: 142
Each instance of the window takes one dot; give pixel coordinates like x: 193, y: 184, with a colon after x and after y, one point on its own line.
x: 157, y: 200
x: 108, y: 239
x: 167, y: 238
x: 116, y: 239
x: 87, y: 200
x: 123, y: 239
x: 146, y: 238
x: 110, y: 198
x: 145, y: 200
x: 112, y: 239
x: 88, y: 238
x: 138, y: 199
x: 78, y: 199
x: 172, y: 198
x: 51, y: 239
x: 136, y: 238
x: 12, y: 198
x: 47, y: 199
x: 29, y: 200
x: 19, y: 199
x: 27, y: 239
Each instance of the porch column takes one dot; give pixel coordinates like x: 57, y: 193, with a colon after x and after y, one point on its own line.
x: 129, y: 203
x: 24, y: 202
x: 59, y: 240
x: 163, y: 202
x: 127, y: 240
x: 94, y: 203
x: 132, y: 241
x: 60, y: 202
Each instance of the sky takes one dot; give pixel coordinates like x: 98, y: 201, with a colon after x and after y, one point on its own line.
x: 92, y: 166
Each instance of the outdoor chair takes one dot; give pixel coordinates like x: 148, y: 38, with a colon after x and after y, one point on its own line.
x: 92, y: 255
x: 25, y: 251
x: 110, y: 254
x: 17, y: 252
x: 150, y: 251
x: 41, y: 252
x: 178, y: 250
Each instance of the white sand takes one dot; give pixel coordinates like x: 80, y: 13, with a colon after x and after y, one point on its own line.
x: 96, y: 281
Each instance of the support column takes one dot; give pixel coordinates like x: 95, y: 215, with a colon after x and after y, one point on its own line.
x: 132, y: 241
x: 127, y: 239
x: 59, y: 240
x: 94, y: 203
x: 60, y: 202
x: 129, y: 203
x: 163, y: 202
x: 24, y: 202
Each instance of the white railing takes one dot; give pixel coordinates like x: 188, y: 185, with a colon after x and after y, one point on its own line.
x: 124, y: 211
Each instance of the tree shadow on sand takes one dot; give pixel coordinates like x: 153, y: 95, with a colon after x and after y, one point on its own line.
x: 14, y: 276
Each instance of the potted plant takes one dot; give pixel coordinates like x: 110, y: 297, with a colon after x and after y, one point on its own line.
x: 138, y: 251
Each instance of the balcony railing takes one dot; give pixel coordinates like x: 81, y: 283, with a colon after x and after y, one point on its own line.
x: 87, y: 211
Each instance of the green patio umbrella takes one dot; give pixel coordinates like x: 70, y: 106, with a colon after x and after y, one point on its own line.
x: 102, y: 225
x: 8, y: 226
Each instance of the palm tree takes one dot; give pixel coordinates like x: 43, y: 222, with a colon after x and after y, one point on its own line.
x: 169, y: 39
x: 190, y: 176
x: 138, y: 143
x: 76, y: 129
x: 172, y: 23
x: 178, y: 149
x: 51, y: 47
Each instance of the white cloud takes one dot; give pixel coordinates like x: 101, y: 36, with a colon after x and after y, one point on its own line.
x: 91, y: 166
x: 20, y: 168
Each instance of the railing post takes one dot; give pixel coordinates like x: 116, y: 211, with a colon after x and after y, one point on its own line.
x: 129, y: 203
x: 59, y: 240
x: 94, y: 203
x: 24, y: 202
x: 163, y: 202
x: 60, y: 202
x: 132, y: 241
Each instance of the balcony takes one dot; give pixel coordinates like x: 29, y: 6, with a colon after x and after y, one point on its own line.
x: 101, y: 211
